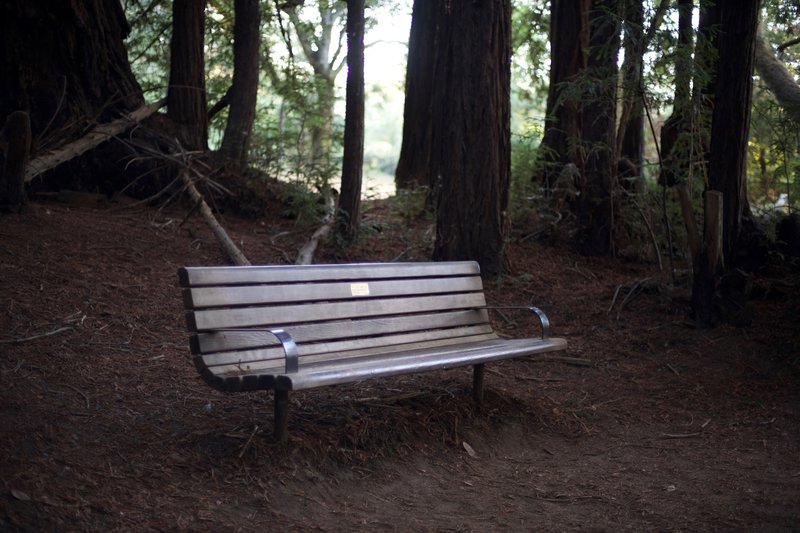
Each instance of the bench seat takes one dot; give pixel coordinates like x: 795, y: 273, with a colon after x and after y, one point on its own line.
x: 289, y: 328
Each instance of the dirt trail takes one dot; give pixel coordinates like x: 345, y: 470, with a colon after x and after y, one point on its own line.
x: 105, y: 425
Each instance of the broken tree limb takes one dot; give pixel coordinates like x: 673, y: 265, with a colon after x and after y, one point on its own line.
x: 97, y: 136
x: 777, y: 77
x: 306, y: 254
x: 231, y: 250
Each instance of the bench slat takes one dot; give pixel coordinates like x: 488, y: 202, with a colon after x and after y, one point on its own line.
x: 198, y: 276
x: 276, y: 367
x: 421, y: 361
x: 379, y: 365
x: 273, y: 294
x: 240, y: 340
x: 306, y: 351
x: 211, y: 319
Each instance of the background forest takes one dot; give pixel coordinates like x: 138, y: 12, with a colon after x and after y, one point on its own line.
x: 604, y: 130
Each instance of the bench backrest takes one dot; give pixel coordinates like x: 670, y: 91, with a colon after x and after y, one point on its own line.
x: 331, y: 312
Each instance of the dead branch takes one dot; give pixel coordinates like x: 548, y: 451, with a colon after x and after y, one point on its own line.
x: 306, y: 254
x: 98, y: 135
x: 231, y: 250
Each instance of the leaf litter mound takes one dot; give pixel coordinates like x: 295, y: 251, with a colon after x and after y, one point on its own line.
x: 644, y: 422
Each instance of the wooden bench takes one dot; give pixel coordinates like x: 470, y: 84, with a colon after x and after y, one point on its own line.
x: 290, y: 328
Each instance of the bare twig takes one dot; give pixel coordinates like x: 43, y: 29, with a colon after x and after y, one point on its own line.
x: 34, y: 337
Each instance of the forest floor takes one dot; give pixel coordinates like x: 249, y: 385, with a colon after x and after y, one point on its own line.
x: 105, y: 425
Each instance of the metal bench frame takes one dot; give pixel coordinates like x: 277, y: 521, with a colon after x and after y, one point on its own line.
x: 296, y: 327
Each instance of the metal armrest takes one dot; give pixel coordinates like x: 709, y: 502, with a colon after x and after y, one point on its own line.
x: 286, y: 340
x: 543, y: 320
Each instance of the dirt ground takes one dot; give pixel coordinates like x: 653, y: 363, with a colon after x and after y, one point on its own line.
x: 650, y: 425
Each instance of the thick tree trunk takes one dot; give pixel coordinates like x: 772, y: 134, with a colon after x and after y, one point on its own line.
x: 66, y: 65
x: 568, y: 40
x: 599, y: 178
x: 353, y: 158
x: 186, y: 98
x: 243, y: 92
x: 731, y: 116
x: 472, y: 132
x: 414, y: 165
x: 732, y: 93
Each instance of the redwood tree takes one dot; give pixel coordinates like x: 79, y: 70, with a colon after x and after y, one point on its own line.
x: 598, y: 133
x: 414, y: 165
x: 568, y: 41
x: 65, y: 63
x: 353, y: 157
x: 186, y: 97
x: 471, y: 102
x: 731, y: 81
x: 243, y: 92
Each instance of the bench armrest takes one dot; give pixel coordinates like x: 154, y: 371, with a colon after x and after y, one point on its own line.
x: 286, y: 340
x: 543, y: 320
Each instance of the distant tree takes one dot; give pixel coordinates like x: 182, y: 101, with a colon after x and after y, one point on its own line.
x: 732, y: 83
x: 630, y: 132
x: 349, y: 214
x: 323, y: 51
x: 471, y: 102
x: 414, y: 164
x: 243, y: 91
x: 568, y: 41
x: 598, y: 133
x: 186, y: 97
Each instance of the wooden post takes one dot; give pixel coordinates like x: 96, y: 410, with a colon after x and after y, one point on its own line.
x: 281, y: 416
x: 16, y: 140
x: 709, y: 264
x: 477, y: 383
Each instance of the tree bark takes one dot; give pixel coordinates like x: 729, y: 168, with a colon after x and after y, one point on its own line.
x: 472, y: 132
x: 595, y: 206
x: 777, y: 78
x: 414, y: 165
x: 353, y: 158
x: 186, y: 97
x: 243, y: 92
x: 731, y: 116
x: 630, y: 133
x: 568, y: 41
x: 65, y: 64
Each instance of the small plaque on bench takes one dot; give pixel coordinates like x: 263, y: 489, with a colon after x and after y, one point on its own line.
x: 359, y: 289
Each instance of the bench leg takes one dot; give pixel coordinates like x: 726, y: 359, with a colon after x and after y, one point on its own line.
x: 477, y: 383
x: 281, y: 415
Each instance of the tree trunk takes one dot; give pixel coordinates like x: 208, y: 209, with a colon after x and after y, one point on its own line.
x: 568, y: 41
x: 731, y: 116
x: 414, y: 165
x: 732, y: 84
x: 353, y: 158
x: 65, y: 64
x: 630, y: 134
x: 596, y: 208
x: 186, y: 97
x: 472, y: 132
x: 242, y: 95
x: 777, y: 78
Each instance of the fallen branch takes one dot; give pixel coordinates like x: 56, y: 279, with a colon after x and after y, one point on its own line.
x: 34, y: 337
x: 97, y: 136
x: 306, y: 254
x: 559, y: 359
x: 231, y: 250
